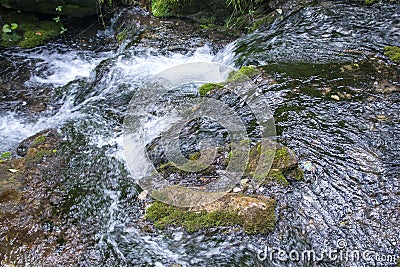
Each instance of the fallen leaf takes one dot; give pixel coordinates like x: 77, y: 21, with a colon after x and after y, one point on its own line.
x: 382, y: 118
x: 13, y: 170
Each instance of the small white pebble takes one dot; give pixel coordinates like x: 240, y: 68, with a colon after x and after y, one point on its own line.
x: 143, y: 195
x: 236, y: 190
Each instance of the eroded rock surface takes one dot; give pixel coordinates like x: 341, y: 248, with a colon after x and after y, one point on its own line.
x: 31, y: 193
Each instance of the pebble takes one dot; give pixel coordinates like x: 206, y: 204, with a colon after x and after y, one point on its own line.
x: 143, y: 195
x: 336, y: 97
x: 236, y: 190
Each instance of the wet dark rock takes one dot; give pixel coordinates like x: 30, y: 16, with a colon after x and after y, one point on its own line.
x: 138, y: 27
x: 15, y: 95
x: 38, y: 141
x: 284, y: 168
x: 248, y: 211
x: 281, y: 168
x: 31, y: 190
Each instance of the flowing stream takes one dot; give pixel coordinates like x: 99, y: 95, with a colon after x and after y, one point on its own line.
x: 349, y: 148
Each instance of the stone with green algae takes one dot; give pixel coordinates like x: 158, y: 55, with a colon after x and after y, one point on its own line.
x: 255, y: 214
x: 393, y: 53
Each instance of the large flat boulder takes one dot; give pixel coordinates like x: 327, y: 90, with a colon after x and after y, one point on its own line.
x: 255, y: 214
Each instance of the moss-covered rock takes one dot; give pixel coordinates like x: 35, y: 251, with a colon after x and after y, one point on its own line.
x: 164, y: 215
x: 242, y: 74
x: 69, y: 7
x: 185, y: 8
x: 284, y: 165
x: 168, y: 8
x: 36, y: 34
x: 393, y: 53
x: 263, y: 21
x: 282, y: 170
x: 254, y: 214
x: 205, y: 88
x: 370, y: 2
x: 31, y: 31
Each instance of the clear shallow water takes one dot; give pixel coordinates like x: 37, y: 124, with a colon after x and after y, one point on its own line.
x: 324, y: 32
x: 351, y: 191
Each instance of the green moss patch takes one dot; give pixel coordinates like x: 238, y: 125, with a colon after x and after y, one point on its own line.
x: 267, y: 20
x: 30, y: 31
x: 164, y: 215
x: 39, y: 140
x: 5, y: 156
x: 298, y: 174
x: 40, y: 154
x: 168, y: 8
x: 205, y: 88
x: 252, y: 214
x: 39, y: 33
x: 393, y: 53
x: 276, y: 176
x: 122, y: 36
x: 242, y: 74
x: 284, y: 164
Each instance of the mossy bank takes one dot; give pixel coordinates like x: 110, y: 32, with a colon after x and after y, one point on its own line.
x: 26, y: 30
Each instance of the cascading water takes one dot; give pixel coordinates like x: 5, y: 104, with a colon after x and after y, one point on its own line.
x: 349, y: 148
